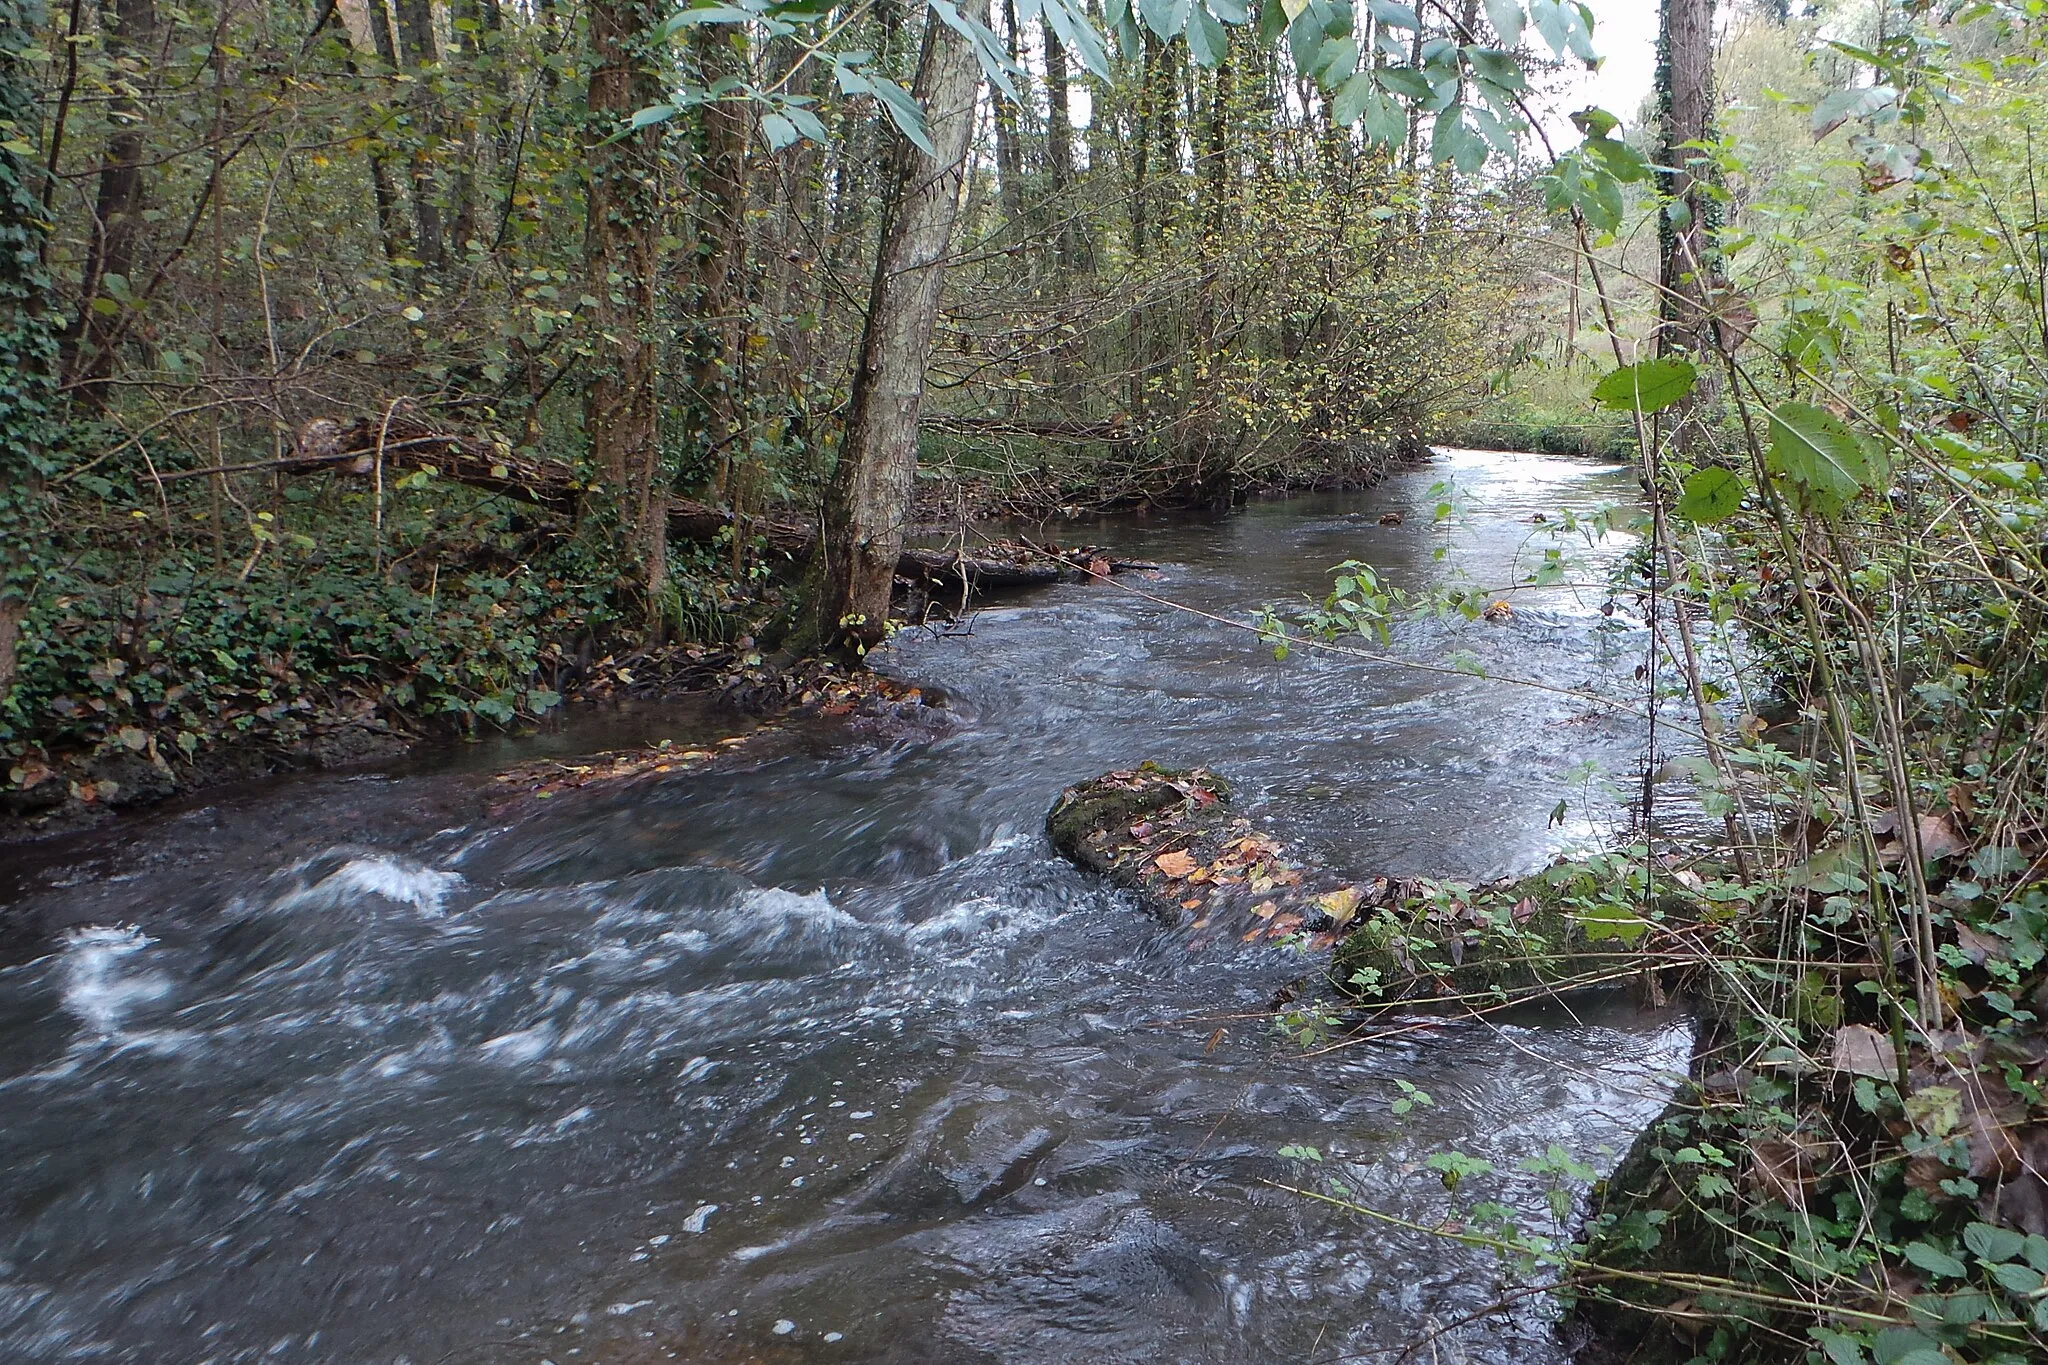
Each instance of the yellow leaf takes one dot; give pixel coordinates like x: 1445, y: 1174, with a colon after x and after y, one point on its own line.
x: 1341, y: 904
x: 1175, y: 864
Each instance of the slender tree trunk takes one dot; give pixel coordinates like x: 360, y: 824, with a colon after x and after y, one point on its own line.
x: 1009, y: 155
x: 376, y: 20
x: 869, y: 498
x: 718, y: 224
x: 1686, y: 110
x: 117, y: 226
x: 1059, y: 149
x: 621, y: 233
x: 416, y: 30
x: 1685, y: 271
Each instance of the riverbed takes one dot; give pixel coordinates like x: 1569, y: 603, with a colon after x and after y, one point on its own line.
x: 823, y: 1055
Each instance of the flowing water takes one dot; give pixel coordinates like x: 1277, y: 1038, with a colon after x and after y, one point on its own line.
x: 825, y: 1056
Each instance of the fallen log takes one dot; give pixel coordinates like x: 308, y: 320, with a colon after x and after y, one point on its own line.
x: 403, y: 438
x: 1169, y: 837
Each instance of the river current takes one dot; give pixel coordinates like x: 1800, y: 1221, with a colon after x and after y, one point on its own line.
x: 825, y: 1055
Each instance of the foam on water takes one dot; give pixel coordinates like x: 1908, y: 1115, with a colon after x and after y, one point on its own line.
x: 425, y: 889
x: 100, y: 983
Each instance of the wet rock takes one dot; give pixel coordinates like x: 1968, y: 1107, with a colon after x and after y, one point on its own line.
x: 121, y: 778
x: 1170, y: 837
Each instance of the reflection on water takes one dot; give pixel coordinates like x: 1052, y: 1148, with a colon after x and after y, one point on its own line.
x: 827, y: 1058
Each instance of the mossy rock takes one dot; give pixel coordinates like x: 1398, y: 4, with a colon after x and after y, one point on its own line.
x: 1544, y: 934
x: 1170, y: 836
x: 1088, y: 821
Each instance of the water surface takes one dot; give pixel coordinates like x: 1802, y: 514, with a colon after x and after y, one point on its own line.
x: 827, y: 1057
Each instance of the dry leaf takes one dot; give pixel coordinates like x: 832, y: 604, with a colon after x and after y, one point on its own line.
x: 1175, y: 864
x: 1938, y: 837
x: 1862, y: 1051
x: 1265, y: 909
x: 1341, y: 904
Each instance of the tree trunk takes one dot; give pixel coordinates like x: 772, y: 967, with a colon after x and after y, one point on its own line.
x: 1059, y: 148
x: 416, y: 31
x: 117, y: 225
x: 868, y: 501
x: 621, y: 231
x: 1686, y: 109
x: 27, y: 341
x: 375, y: 20
x: 1009, y: 155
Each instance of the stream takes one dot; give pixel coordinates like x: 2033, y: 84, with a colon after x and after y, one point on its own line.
x: 824, y: 1055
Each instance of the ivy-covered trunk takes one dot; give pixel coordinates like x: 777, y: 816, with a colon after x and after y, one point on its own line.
x: 868, y: 502
x: 622, y: 229
x: 28, y: 346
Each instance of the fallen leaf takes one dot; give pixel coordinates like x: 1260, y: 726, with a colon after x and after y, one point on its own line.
x: 1265, y: 909
x: 1214, y: 1039
x: 1175, y: 864
x: 1192, y: 903
x: 1862, y: 1051
x: 1341, y: 904
x: 1938, y: 837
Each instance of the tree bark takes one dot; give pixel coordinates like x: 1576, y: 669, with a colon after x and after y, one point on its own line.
x: 621, y: 232
x: 1009, y: 154
x: 117, y: 225
x: 1059, y: 148
x: 1686, y: 109
x: 868, y: 501
x: 416, y: 31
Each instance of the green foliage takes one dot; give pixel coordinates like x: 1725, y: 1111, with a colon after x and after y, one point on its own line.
x: 28, y: 341
x: 1648, y: 386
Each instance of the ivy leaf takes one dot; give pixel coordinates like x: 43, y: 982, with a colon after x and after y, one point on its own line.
x: 1814, y: 449
x: 1648, y: 386
x: 1711, y: 494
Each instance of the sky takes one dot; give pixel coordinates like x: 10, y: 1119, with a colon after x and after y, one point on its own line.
x: 1625, y: 35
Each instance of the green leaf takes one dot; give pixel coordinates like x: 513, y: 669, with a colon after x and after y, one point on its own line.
x: 778, y: 132
x: 1814, y: 449
x: 1207, y: 40
x: 1895, y: 1344
x: 1352, y: 98
x: 1647, y: 386
x: 1607, y: 920
x: 1934, y: 1260
x: 2017, y: 1279
x: 1507, y: 19
x: 1406, y: 80
x: 1490, y: 63
x: 1994, y: 1243
x: 1335, y: 60
x: 1711, y: 494
x: 1394, y: 14
x: 1166, y: 18
x: 903, y: 109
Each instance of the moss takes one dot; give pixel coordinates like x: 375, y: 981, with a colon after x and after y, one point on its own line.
x: 1087, y: 822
